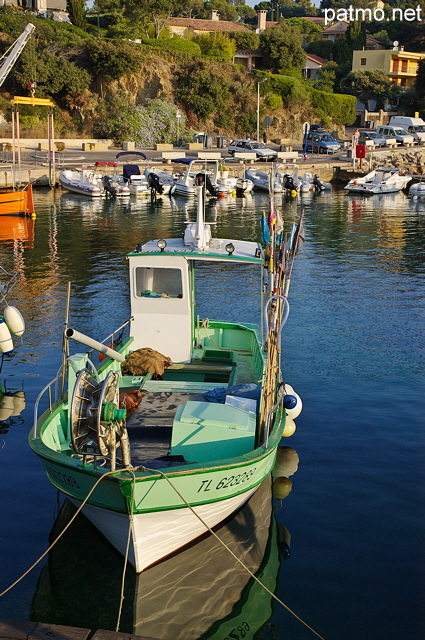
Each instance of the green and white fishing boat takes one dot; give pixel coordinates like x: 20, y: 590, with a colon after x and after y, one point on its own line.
x: 179, y: 424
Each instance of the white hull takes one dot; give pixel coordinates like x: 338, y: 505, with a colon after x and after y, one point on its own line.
x: 74, y: 185
x: 139, y: 190
x: 158, y: 534
x: 378, y: 181
x: 417, y: 190
x: 282, y: 179
x: 182, y: 190
x: 373, y: 190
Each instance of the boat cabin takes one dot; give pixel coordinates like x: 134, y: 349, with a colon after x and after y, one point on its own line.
x: 162, y: 287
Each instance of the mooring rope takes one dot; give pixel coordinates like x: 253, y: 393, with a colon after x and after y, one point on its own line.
x: 108, y: 473
x: 131, y: 514
x: 230, y: 551
x: 127, y: 549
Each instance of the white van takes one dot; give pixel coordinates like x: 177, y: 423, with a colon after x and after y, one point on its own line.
x: 414, y: 126
x: 396, y: 133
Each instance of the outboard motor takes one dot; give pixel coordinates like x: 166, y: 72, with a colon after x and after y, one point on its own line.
x: 155, y: 185
x: 108, y: 185
x: 208, y: 184
x: 317, y: 182
x: 289, y: 183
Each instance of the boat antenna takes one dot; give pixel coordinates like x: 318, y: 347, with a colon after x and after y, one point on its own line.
x: 65, y: 341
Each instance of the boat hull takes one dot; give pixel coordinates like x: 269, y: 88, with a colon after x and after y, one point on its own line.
x: 157, y: 505
x: 158, y: 534
x: 17, y: 202
x: 82, y: 188
x: 372, y: 190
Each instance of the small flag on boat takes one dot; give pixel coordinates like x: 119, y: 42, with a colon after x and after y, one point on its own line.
x: 265, y: 231
x: 298, y: 238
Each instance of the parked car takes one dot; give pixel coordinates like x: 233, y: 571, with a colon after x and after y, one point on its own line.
x: 398, y: 133
x: 377, y: 138
x: 322, y: 143
x: 262, y: 152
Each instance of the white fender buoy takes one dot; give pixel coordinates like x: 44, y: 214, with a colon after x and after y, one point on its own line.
x: 286, y: 462
x: 295, y: 411
x: 14, y: 320
x: 289, y: 428
x: 19, y: 403
x: 282, y: 487
x: 6, y: 406
x: 6, y: 342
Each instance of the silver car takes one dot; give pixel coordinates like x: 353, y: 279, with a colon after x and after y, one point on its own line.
x: 259, y: 148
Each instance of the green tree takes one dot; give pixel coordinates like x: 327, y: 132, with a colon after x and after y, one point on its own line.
x: 216, y: 44
x: 245, y: 12
x: 226, y: 10
x: 372, y: 84
x: 298, y: 8
x: 156, y: 12
x: 356, y: 35
x: 281, y: 48
x: 326, y: 80
x: 77, y: 12
x: 110, y: 60
x: 192, y: 8
x: 107, y: 6
x: 204, y: 89
x: 310, y: 31
x: 245, y: 39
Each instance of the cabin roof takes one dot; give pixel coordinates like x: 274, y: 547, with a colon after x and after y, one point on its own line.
x: 247, y: 252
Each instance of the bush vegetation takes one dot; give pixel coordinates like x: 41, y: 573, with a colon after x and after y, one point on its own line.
x: 75, y: 67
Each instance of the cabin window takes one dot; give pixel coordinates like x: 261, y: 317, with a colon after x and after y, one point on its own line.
x: 154, y: 282
x: 362, y: 61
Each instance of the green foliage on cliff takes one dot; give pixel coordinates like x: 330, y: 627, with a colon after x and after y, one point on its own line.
x: 206, y: 90
x: 77, y: 68
x: 340, y: 108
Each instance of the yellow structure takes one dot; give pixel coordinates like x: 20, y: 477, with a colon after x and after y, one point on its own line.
x: 399, y: 65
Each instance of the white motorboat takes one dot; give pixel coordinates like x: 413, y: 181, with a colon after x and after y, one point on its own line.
x: 85, y: 182
x: 417, y: 190
x: 185, y: 184
x: 382, y: 180
x: 283, y: 178
x: 92, y: 182
x: 312, y: 182
x: 234, y: 185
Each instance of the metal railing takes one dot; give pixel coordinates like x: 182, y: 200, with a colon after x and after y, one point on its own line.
x: 51, y: 399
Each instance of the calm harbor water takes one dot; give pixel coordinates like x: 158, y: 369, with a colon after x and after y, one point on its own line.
x: 345, y: 549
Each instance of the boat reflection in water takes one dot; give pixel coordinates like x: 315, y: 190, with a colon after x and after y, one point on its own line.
x: 200, y: 592
x: 17, y: 228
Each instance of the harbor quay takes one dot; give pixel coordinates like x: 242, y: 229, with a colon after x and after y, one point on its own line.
x: 34, y: 161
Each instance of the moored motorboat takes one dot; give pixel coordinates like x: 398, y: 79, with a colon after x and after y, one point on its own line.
x: 281, y: 179
x: 171, y: 433
x: 383, y: 180
x: 417, y: 189
x: 85, y: 182
x: 313, y: 182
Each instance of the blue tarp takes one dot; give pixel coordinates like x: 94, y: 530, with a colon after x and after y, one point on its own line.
x: 219, y: 394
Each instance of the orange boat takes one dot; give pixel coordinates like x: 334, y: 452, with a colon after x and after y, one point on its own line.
x: 17, y: 202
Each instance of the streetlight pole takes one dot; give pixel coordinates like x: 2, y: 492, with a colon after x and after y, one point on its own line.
x: 258, y: 107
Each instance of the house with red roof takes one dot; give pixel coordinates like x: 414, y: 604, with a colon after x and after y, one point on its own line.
x: 313, y: 66
x: 195, y: 26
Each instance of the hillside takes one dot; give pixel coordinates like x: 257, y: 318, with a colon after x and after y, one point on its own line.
x: 97, y: 83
